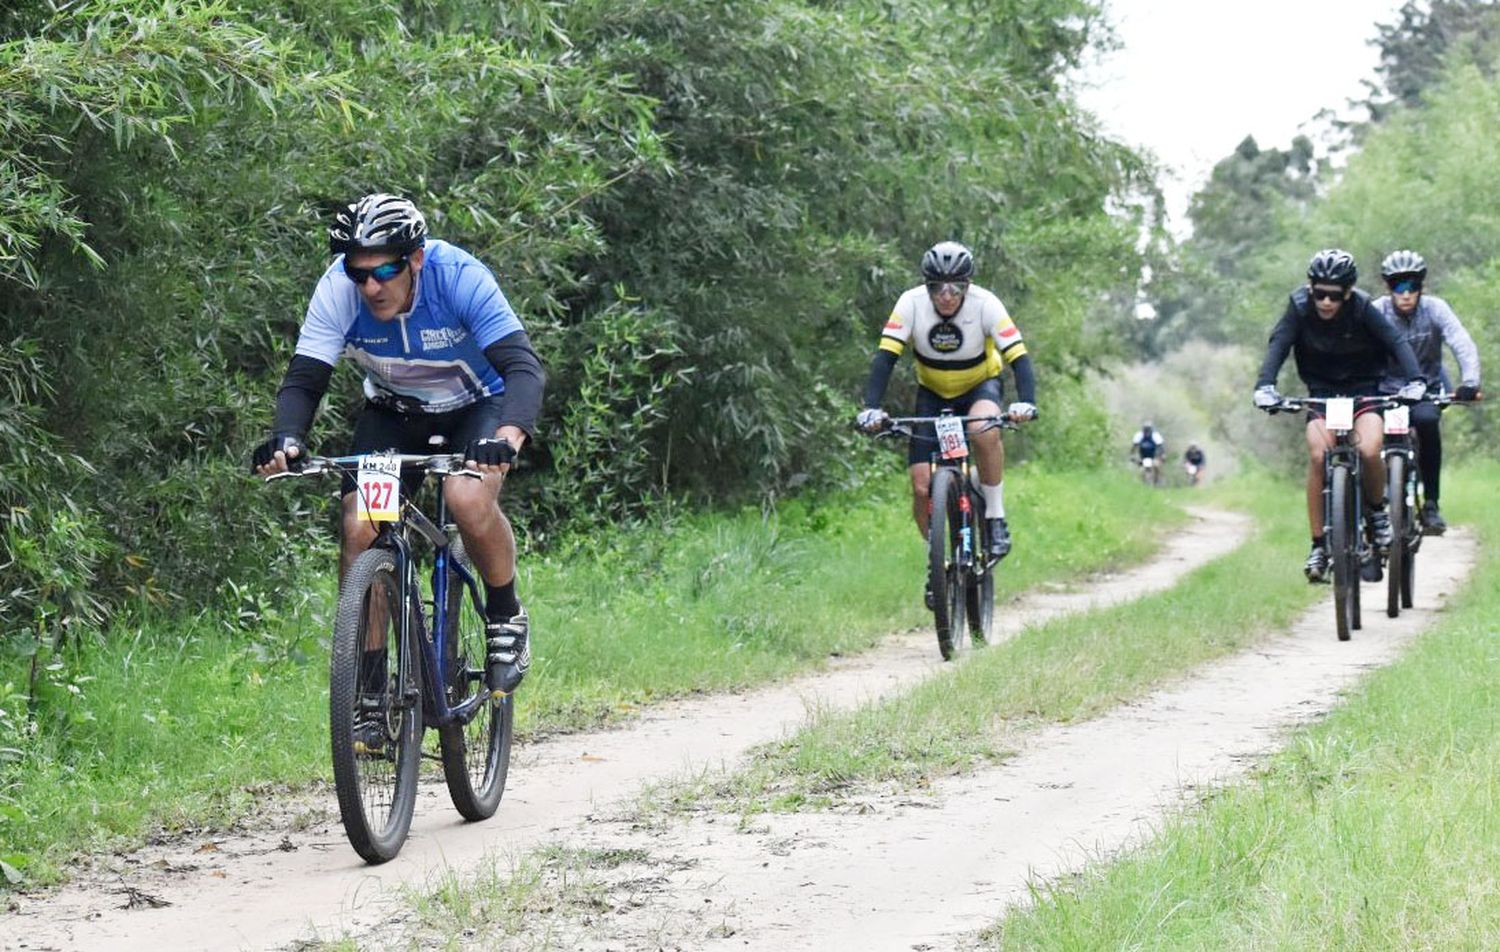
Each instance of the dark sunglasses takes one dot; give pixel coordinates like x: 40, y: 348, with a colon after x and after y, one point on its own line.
x: 381, y: 272
x: 1322, y: 294
x: 955, y: 288
x: 1406, y: 286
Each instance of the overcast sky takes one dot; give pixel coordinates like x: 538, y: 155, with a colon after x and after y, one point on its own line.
x: 1194, y: 77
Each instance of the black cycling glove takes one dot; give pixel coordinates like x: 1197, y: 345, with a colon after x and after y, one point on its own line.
x: 265, y: 453
x: 490, y: 452
x: 1466, y: 394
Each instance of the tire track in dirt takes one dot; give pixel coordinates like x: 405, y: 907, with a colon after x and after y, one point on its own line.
x: 928, y: 870
x: 275, y: 885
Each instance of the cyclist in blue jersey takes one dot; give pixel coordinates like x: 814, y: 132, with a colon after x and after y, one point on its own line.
x: 443, y: 355
x: 1146, y: 444
x: 1426, y: 322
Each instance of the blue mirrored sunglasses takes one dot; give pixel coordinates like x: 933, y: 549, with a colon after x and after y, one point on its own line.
x: 1406, y: 286
x: 381, y: 272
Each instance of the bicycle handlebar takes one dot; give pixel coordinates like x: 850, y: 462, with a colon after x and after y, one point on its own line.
x: 902, y: 426
x: 444, y: 464
x: 1384, y: 401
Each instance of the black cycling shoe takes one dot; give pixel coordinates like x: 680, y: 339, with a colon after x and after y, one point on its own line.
x: 999, y: 535
x: 1432, y: 520
x: 1379, y: 523
x: 1316, y: 566
x: 509, y: 652
x: 1369, y: 567
x: 369, y: 733
x: 927, y: 597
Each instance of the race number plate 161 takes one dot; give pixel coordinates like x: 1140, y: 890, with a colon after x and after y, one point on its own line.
x: 379, y: 488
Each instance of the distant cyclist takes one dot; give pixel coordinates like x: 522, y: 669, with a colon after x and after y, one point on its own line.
x: 1148, y: 444
x: 962, y: 338
x: 1193, y: 461
x: 1342, y: 343
x: 1426, y: 323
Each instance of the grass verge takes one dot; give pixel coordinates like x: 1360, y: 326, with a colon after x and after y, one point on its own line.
x: 1378, y: 828
x: 179, y: 724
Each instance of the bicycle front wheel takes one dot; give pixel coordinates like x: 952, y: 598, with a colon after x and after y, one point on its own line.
x: 1344, y: 548
x: 979, y: 592
x: 374, y: 720
x: 476, y: 755
x: 944, y: 539
x: 1395, y: 568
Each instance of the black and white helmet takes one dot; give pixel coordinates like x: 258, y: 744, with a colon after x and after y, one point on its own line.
x: 948, y: 261
x: 378, y: 222
x: 1332, y: 266
x: 1404, y: 262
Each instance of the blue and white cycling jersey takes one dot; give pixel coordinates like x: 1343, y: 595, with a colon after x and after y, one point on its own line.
x: 434, y: 353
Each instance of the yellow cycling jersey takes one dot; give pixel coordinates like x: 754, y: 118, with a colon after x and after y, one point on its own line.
x: 954, y: 355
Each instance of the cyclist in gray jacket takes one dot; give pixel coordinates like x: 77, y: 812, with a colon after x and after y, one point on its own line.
x: 1426, y: 322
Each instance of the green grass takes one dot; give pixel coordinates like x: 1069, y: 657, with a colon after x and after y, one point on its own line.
x: 1378, y: 828
x: 1073, y: 667
x: 180, y: 725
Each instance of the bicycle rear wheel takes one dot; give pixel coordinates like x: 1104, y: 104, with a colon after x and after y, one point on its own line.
x: 476, y: 755
x: 374, y: 722
x: 1344, y: 548
x: 979, y: 590
x: 943, y: 571
x: 1395, y: 568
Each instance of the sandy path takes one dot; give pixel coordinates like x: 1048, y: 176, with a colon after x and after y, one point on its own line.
x: 275, y: 885
x: 926, y: 871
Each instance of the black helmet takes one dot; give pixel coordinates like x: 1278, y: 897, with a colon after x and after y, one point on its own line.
x: 377, y: 222
x: 1332, y: 266
x: 1403, y: 262
x: 948, y: 261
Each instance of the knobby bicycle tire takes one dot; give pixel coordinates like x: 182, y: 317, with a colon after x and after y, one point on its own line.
x: 1409, y: 571
x: 942, y: 569
x: 1344, y: 548
x: 1395, y: 494
x: 979, y: 592
x: 377, y: 790
x: 476, y: 755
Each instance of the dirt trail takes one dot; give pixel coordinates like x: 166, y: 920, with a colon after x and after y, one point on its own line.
x: 284, y: 881
x: 926, y: 871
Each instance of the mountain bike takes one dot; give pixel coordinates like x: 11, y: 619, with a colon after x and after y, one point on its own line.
x: 960, y: 572
x: 1404, y: 490
x: 401, y: 663
x: 1343, y: 500
x: 1150, y: 470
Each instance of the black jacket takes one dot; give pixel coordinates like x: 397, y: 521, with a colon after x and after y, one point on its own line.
x: 1343, y: 356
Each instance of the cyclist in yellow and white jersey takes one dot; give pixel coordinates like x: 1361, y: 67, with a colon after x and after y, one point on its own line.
x: 962, y: 338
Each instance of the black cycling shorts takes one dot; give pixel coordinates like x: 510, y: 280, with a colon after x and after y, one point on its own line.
x: 380, y: 428
x: 930, y: 404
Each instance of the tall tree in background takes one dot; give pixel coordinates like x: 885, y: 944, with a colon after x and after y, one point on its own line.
x: 1415, y: 48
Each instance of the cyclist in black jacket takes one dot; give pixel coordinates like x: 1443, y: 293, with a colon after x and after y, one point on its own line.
x: 1341, y: 343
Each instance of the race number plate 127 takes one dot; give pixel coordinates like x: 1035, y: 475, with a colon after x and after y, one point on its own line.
x: 950, y: 435
x: 379, y: 488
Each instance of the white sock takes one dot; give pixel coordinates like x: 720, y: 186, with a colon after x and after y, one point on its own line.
x: 994, y: 500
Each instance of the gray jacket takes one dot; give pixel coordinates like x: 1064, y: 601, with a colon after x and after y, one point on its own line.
x: 1426, y: 330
